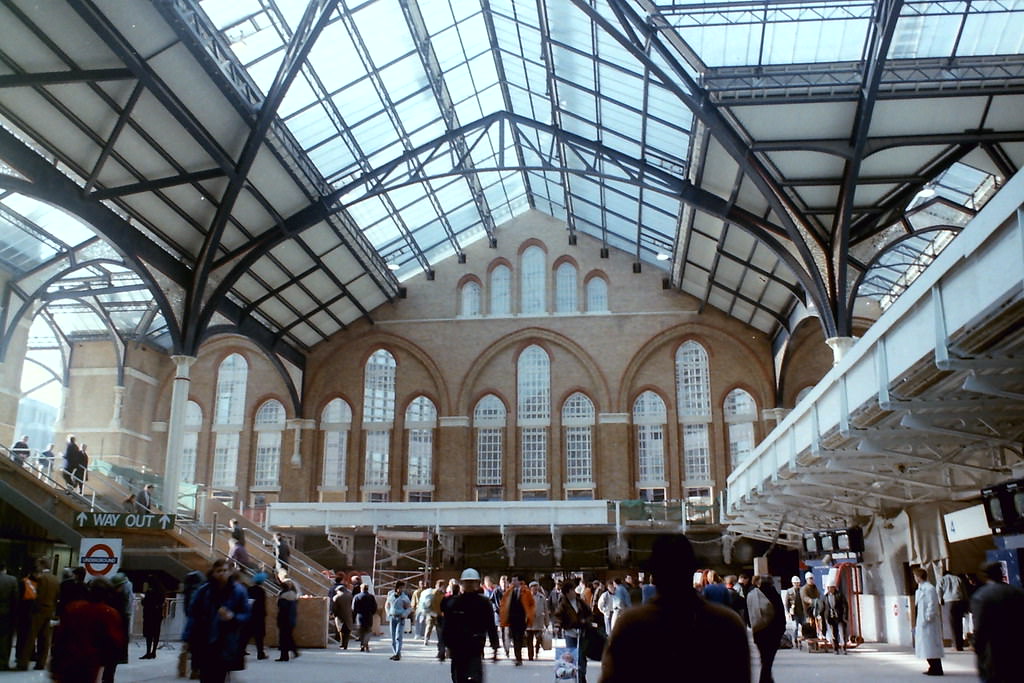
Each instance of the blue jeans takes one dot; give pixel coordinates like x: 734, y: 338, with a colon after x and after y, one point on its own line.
x: 397, y: 630
x: 581, y: 656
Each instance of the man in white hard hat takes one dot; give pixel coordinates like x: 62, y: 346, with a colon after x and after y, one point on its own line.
x: 468, y: 617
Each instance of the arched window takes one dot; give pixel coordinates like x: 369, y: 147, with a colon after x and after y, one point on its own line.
x: 228, y: 416
x: 533, y: 296
x: 740, y: 415
x: 597, y: 295
x: 378, y: 419
x: 693, y: 392
x: 489, y: 423
x: 190, y: 441
x: 649, y: 418
x: 533, y: 416
x: 470, y: 304
x: 225, y: 461
x: 578, y: 418
x: 501, y: 291
x: 420, y: 422
x: 231, y: 381
x: 270, y: 423
x: 566, y: 298
x: 335, y: 422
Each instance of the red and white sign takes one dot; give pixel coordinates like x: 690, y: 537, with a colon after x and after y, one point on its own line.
x: 100, y: 557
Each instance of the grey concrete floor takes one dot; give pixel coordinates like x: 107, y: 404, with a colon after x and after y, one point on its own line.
x: 874, y: 662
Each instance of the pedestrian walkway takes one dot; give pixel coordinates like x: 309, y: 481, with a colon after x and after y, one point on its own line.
x: 874, y: 662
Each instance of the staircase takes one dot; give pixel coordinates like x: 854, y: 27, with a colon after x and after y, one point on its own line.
x: 199, y: 535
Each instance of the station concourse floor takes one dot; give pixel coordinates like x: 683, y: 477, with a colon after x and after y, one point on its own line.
x: 876, y: 662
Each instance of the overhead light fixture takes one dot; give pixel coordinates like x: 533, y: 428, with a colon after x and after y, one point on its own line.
x: 393, y: 266
x: 662, y: 256
x: 925, y: 193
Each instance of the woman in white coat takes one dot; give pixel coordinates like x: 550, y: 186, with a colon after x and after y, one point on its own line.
x: 928, y: 627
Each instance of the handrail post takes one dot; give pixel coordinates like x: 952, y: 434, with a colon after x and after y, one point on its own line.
x: 213, y: 535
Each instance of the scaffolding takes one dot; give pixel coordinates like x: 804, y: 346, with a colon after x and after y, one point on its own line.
x: 391, y: 564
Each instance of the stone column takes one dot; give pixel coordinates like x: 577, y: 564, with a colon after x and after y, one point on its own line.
x: 612, y: 471
x: 455, y: 463
x: 115, y: 418
x: 297, y: 425
x: 176, y: 431
x: 840, y: 346
x: 10, y: 381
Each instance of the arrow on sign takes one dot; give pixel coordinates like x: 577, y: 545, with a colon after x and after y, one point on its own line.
x: 81, y: 517
x: 164, y: 521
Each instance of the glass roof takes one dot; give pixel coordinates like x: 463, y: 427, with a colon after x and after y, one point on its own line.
x: 747, y: 33
x: 436, y: 121
x: 437, y: 71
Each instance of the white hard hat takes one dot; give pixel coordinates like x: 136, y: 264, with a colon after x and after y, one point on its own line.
x: 470, y: 575
x: 795, y: 579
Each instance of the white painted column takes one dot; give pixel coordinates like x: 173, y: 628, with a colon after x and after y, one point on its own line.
x: 297, y: 425
x: 176, y: 432
x: 839, y: 346
x: 115, y: 419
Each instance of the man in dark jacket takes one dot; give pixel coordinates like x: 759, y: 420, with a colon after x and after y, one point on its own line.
x: 998, y: 627
x: 468, y: 618
x: 74, y: 465
x: 710, y: 639
x: 341, y: 609
x: 364, y: 606
x: 257, y: 624
x: 834, y: 612
x: 216, y: 624
x: 9, y: 590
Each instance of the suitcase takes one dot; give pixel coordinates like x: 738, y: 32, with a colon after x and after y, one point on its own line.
x: 808, y: 631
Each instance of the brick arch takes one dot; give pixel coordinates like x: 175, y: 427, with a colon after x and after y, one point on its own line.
x: 531, y: 242
x: 565, y: 258
x: 468, y: 277
x: 600, y: 394
x: 397, y: 345
x: 499, y: 261
x: 322, y: 404
x: 672, y: 338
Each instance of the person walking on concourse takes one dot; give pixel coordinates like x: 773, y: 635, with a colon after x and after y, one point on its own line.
x: 364, y: 606
x: 216, y: 624
x: 398, y: 606
x: 708, y: 642
x: 468, y: 618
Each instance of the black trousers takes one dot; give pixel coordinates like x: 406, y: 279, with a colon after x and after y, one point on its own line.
x: 468, y: 669
x: 767, y: 642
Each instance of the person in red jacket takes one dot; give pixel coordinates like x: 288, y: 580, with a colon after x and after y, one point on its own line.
x: 90, y: 635
x: 517, y: 611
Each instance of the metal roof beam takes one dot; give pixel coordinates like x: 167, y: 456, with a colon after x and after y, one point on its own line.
x: 41, y: 78
x: 157, y: 184
x: 198, y: 313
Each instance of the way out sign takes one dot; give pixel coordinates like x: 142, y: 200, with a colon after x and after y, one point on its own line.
x: 100, y: 557
x: 123, y: 520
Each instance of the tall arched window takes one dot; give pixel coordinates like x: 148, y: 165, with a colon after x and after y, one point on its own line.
x: 228, y: 416
x: 420, y: 422
x: 578, y: 418
x: 470, y: 304
x: 533, y: 385
x: 190, y: 441
x: 740, y: 415
x: 501, y: 291
x: 378, y: 419
x: 231, y: 380
x: 649, y: 418
x: 597, y: 295
x: 533, y: 297
x: 566, y: 298
x: 693, y: 393
x: 489, y: 422
x: 270, y: 422
x: 335, y: 422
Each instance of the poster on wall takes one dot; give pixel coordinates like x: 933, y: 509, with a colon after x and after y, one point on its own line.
x: 101, y: 557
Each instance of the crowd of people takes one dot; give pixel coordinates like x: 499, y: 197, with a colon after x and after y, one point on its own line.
x: 93, y: 622
x: 710, y: 627
x: 74, y: 467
